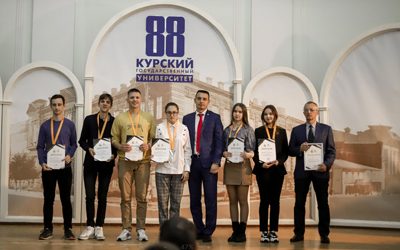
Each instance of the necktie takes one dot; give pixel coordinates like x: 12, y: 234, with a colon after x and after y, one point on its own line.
x: 310, y: 137
x: 198, y: 136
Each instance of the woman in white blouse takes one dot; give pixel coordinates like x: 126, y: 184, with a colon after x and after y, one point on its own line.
x: 172, y: 175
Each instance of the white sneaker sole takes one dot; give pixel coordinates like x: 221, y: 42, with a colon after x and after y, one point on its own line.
x: 85, y: 238
x: 124, y: 239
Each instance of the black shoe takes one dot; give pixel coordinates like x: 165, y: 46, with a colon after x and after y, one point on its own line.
x: 46, y: 234
x: 68, y: 235
x: 296, y: 238
x: 241, y: 234
x: 199, y: 236
x: 325, y: 240
x: 235, y: 229
x: 207, y: 238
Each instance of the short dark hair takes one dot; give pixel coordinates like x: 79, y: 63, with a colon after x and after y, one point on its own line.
x: 244, y: 111
x: 203, y: 91
x: 171, y: 104
x: 134, y: 90
x: 106, y: 96
x: 274, y: 112
x: 311, y: 102
x: 56, y: 96
x: 179, y: 231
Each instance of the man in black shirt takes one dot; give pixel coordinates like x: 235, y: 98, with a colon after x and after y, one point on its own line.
x: 96, y: 136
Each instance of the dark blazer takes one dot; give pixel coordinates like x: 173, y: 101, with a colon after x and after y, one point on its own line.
x: 211, y: 137
x: 281, y: 147
x: 323, y: 134
x: 90, y: 132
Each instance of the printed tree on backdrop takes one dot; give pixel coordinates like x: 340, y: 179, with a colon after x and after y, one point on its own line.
x: 22, y: 167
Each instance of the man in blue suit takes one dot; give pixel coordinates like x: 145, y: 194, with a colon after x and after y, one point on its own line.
x: 311, y: 132
x: 205, y: 129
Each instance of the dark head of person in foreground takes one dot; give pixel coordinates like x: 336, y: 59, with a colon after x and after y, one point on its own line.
x: 180, y: 232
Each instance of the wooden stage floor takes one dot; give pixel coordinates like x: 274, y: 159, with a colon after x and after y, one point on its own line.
x: 25, y: 236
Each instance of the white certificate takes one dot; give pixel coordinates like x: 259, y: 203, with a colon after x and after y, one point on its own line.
x: 313, y: 157
x: 135, y: 154
x: 235, y: 147
x: 266, y: 151
x: 56, y: 157
x: 160, y: 151
x: 102, y: 149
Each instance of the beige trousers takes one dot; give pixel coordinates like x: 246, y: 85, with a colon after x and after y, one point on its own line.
x: 139, y: 174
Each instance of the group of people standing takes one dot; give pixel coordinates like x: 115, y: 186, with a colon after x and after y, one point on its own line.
x: 198, y: 147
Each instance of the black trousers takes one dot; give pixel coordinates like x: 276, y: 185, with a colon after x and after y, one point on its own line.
x: 270, y: 187
x: 90, y: 175
x: 302, y: 187
x: 49, y: 181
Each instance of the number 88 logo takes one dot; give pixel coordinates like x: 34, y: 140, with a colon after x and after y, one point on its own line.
x: 157, y: 43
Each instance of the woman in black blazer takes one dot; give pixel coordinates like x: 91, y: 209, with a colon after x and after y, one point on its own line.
x: 270, y: 175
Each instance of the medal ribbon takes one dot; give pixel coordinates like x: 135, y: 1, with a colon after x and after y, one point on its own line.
x: 237, y: 131
x: 172, y: 139
x: 54, y: 140
x: 273, y: 133
x: 100, y: 133
x: 137, y: 122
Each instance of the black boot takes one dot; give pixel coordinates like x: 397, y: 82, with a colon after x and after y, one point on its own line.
x: 241, y: 235
x: 235, y: 227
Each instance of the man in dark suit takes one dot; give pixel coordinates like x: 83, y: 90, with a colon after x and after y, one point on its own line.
x: 311, y: 132
x: 205, y: 129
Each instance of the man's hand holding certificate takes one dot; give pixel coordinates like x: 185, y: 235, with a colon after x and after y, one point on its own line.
x: 102, y: 149
x: 313, y: 156
x: 135, y: 154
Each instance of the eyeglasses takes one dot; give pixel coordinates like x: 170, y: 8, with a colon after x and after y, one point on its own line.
x: 172, y: 113
x: 310, y: 110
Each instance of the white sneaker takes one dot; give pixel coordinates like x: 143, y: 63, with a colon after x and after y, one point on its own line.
x: 88, y: 233
x: 264, y: 237
x: 98, y: 233
x: 273, y: 237
x: 125, y: 235
x: 141, y: 235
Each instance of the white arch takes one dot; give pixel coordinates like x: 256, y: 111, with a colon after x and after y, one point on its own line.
x: 341, y: 57
x: 279, y: 71
x: 48, y: 65
x: 307, y: 85
x: 7, y: 101
x: 326, y: 87
x: 89, y: 68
